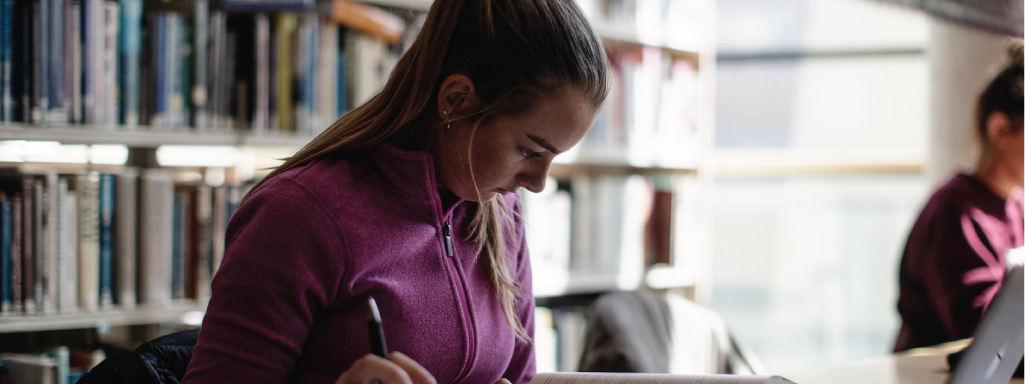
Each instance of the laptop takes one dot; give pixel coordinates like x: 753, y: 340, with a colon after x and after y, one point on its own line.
x: 999, y: 343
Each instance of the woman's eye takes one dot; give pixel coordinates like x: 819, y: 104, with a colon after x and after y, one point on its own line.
x: 528, y: 153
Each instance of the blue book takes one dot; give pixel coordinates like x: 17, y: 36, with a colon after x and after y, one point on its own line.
x: 107, y: 198
x: 89, y: 49
x: 129, y: 55
x: 159, y: 62
x: 40, y: 73
x: 200, y: 58
x: 6, y: 242
x: 177, y: 248
x: 343, y: 103
x: 265, y: 5
x: 56, y: 114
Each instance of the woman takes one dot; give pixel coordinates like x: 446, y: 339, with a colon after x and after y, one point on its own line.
x: 410, y: 199
x: 954, y: 260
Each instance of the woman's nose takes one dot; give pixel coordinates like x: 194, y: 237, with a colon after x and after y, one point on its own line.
x: 534, y: 180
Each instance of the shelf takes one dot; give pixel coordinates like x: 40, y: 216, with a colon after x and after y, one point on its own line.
x: 180, y: 313
x: 140, y: 137
x: 416, y: 5
x: 781, y: 162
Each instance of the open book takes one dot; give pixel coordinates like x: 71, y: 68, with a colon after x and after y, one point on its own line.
x: 651, y: 378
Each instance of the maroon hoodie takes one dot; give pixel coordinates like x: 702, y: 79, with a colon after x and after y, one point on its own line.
x: 954, y: 261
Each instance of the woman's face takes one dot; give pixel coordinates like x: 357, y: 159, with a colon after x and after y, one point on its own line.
x: 507, y: 152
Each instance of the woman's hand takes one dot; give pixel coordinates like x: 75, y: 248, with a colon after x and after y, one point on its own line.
x: 396, y: 369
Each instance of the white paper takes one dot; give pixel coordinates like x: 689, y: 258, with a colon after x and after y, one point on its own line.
x: 647, y: 378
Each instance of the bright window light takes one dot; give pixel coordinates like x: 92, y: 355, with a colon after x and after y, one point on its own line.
x: 197, y: 156
x: 17, y: 151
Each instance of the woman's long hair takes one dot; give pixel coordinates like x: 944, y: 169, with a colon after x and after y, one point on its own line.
x: 514, y: 51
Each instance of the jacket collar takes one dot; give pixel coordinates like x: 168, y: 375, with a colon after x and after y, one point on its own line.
x: 411, y: 172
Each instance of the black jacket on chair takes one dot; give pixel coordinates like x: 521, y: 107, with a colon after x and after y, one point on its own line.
x: 160, y: 361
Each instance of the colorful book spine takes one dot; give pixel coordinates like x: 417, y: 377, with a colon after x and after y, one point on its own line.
x: 28, y: 244
x: 125, y: 247
x: 200, y: 59
x: 6, y: 47
x: 17, y: 305
x: 160, y: 74
x: 131, y: 47
x: 67, y: 300
x: 88, y: 196
x: 286, y: 29
x: 40, y: 86
x: 6, y: 239
x: 50, y: 251
x: 56, y: 114
x: 178, y: 246
x: 107, y: 198
x: 89, y: 30
x: 109, y: 101
x: 76, y: 61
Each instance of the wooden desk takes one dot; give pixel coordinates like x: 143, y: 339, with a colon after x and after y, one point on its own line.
x: 917, y: 366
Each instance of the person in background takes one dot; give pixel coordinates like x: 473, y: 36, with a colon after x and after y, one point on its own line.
x: 954, y: 260
x: 410, y: 199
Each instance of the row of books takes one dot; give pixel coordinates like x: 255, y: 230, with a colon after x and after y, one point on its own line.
x: 91, y: 242
x: 182, y: 65
x: 676, y: 23
x: 559, y: 338
x: 595, y: 225
x: 650, y: 113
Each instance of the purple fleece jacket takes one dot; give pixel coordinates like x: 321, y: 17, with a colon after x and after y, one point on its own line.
x: 306, y: 250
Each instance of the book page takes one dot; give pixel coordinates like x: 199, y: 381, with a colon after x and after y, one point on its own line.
x: 648, y: 378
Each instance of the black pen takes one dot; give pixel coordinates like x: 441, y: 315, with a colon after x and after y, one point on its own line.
x: 377, y: 345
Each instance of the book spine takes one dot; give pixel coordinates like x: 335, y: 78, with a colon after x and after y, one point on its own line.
x: 28, y: 256
x: 67, y: 267
x: 219, y: 218
x: 156, y: 211
x: 261, y: 34
x: 178, y: 246
x: 183, y: 83
x: 40, y: 87
x: 88, y: 43
x: 200, y: 59
x: 51, y: 251
x: 56, y: 114
x: 17, y: 305
x: 68, y: 60
x: 89, y: 241
x: 39, y: 266
x: 21, y: 66
x: 107, y: 199
x: 6, y: 62
x: 159, y: 60
x: 204, y: 238
x: 172, y: 85
x: 125, y: 247
x: 76, y: 61
x: 6, y: 237
x: 109, y: 71
x: 131, y: 46
x: 286, y: 28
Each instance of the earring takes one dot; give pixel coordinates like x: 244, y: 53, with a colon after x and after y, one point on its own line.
x: 448, y: 121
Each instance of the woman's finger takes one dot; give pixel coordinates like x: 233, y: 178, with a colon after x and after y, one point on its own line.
x: 371, y: 368
x: 416, y: 372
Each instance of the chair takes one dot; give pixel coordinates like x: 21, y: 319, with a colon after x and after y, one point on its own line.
x: 649, y: 332
x: 160, y: 361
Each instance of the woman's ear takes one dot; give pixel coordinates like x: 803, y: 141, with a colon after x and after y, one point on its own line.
x: 455, y: 95
x: 999, y: 129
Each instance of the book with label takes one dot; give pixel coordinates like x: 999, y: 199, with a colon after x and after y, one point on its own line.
x: 651, y: 378
x: 88, y: 199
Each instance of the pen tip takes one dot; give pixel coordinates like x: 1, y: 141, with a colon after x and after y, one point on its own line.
x: 375, y: 315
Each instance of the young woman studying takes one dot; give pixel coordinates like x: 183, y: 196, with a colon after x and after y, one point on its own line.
x: 954, y: 260
x: 410, y: 199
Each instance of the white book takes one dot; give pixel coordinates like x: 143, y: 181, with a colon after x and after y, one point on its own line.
x: 327, y: 78
x: 156, y: 212
x: 51, y: 250
x: 109, y: 49
x: 125, y: 247
x: 651, y: 378
x: 219, y: 218
x: 261, y: 111
x: 67, y: 299
x: 88, y: 198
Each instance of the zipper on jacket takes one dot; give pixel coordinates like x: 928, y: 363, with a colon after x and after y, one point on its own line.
x: 447, y: 231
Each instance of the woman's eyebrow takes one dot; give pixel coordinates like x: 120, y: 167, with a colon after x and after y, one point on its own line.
x: 544, y: 144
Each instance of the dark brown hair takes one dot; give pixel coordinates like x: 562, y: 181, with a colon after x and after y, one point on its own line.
x: 514, y: 51
x: 1003, y: 94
